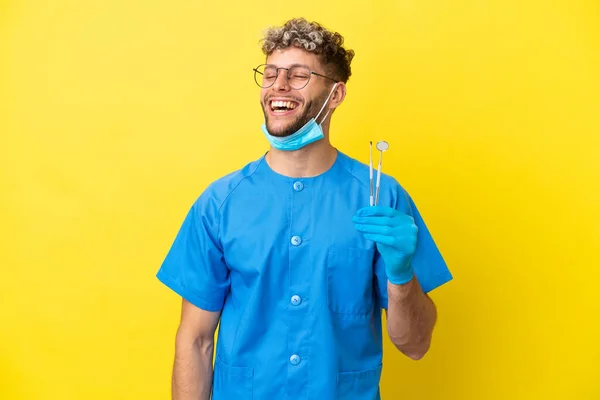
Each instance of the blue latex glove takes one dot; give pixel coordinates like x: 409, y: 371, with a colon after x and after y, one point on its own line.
x: 395, y: 235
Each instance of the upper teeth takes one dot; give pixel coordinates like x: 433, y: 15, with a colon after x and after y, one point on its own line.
x: 286, y: 104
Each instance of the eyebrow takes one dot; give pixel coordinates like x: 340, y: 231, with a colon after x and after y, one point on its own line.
x: 292, y: 65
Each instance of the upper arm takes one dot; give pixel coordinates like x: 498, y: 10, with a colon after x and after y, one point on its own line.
x: 428, y: 263
x: 194, y: 267
x: 196, y: 323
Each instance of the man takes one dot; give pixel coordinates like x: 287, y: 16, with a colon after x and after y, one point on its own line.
x: 288, y: 255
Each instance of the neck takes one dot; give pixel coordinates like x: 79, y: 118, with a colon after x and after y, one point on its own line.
x: 309, y: 161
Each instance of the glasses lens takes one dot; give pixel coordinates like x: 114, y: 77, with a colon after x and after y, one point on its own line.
x: 265, y: 76
x: 298, y: 77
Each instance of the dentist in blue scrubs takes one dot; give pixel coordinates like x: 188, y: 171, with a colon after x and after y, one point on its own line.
x: 287, y: 256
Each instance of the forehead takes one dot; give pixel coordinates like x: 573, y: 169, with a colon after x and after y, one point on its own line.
x: 292, y: 56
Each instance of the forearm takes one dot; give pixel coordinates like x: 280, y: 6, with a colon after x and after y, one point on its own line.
x: 193, y: 369
x: 411, y: 316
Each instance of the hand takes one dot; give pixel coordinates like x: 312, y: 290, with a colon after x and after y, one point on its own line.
x: 395, y: 235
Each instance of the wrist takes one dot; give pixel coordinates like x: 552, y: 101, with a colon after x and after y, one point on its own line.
x: 401, y: 276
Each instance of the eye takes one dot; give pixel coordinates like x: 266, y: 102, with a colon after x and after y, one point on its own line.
x: 299, y: 75
x: 270, y: 73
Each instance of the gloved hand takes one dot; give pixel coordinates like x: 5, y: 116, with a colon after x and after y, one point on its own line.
x: 395, y: 235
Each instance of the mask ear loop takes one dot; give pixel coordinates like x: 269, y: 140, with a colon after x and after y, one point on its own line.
x: 324, y: 104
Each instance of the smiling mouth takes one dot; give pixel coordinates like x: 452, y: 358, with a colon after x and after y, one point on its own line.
x: 282, y: 107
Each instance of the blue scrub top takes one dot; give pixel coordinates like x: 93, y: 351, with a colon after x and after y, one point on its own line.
x: 300, y: 290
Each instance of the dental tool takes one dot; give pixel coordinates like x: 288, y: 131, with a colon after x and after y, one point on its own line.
x: 371, y: 174
x: 381, y: 146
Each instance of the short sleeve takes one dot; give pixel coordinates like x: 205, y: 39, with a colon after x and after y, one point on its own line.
x: 428, y: 263
x: 194, y: 266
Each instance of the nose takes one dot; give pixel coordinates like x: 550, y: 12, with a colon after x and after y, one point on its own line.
x: 281, y: 83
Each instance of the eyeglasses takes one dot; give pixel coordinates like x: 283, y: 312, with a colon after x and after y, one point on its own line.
x: 297, y: 76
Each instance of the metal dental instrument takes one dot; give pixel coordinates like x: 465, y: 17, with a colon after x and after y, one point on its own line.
x: 371, y: 174
x: 381, y: 146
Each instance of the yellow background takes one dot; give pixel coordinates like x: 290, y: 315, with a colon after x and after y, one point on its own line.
x: 115, y: 115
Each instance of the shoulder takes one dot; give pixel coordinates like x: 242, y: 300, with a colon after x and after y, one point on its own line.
x: 221, y: 189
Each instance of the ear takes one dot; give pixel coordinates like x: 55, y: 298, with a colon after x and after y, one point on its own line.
x: 338, y: 95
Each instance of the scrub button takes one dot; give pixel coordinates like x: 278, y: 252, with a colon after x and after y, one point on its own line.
x: 298, y: 186
x: 296, y: 240
x: 296, y: 300
x: 295, y: 359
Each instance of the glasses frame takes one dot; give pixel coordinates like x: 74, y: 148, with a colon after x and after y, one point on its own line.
x: 287, y: 75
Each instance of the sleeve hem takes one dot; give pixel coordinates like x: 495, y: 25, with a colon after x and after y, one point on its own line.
x: 187, y: 295
x: 441, y: 279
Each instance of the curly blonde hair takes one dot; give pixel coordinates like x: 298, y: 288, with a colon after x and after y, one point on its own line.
x: 312, y: 37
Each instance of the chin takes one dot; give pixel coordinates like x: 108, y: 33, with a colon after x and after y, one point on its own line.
x: 280, y: 130
x: 282, y: 126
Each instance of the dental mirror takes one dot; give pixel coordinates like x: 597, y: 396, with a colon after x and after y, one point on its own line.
x: 382, y: 146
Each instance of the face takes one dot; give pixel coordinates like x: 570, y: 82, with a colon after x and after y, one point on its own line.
x: 287, y: 110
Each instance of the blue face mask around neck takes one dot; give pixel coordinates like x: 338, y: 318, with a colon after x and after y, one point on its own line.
x: 309, y: 133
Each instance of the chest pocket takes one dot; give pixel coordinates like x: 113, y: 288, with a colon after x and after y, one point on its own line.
x: 350, y: 280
